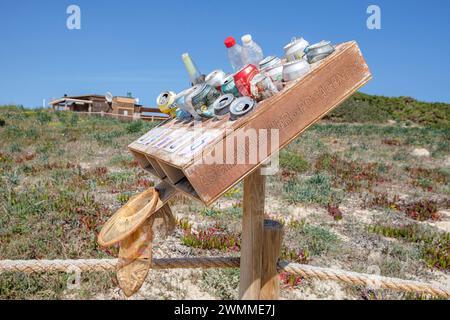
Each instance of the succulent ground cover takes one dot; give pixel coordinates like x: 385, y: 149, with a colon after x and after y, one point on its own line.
x: 349, y: 193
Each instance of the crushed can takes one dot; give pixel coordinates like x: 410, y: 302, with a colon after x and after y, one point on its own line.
x: 228, y: 86
x: 243, y: 77
x: 262, y: 87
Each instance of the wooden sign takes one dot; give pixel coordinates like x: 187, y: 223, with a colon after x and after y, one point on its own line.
x: 181, y: 154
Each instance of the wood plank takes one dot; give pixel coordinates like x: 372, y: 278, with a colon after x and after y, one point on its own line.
x: 173, y: 174
x: 272, y: 239
x: 156, y: 166
x: 252, y: 236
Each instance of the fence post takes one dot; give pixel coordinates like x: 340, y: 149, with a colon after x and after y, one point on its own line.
x: 252, y: 236
x: 272, y: 239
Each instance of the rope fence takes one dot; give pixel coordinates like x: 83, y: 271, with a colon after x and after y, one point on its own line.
x: 304, y: 271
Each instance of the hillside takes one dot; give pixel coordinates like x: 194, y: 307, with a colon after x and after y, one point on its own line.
x: 351, y: 195
x: 365, y: 108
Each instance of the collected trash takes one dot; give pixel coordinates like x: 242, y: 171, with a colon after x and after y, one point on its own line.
x: 241, y: 106
x: 222, y: 105
x: 202, y: 98
x: 295, y: 50
x: 254, y: 76
x: 216, y: 78
x: 234, y: 52
x: 243, y: 77
x: 319, y: 51
x: 262, y: 87
x: 228, y: 86
x: 194, y: 74
x: 251, y: 51
x: 165, y: 102
x: 181, y: 103
x: 135, y: 227
x: 295, y: 69
x: 126, y: 220
x: 272, y: 67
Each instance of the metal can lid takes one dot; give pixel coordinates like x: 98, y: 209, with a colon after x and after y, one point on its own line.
x: 241, y: 106
x: 223, y: 101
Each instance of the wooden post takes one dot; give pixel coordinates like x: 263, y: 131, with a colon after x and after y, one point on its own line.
x: 252, y: 236
x: 270, y: 283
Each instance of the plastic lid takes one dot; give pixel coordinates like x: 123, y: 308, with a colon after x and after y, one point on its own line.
x: 246, y: 38
x: 229, y: 42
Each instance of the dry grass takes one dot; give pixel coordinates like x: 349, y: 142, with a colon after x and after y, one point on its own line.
x: 343, y: 191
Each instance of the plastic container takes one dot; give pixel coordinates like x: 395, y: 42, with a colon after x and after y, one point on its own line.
x: 194, y: 74
x: 234, y: 52
x: 251, y: 52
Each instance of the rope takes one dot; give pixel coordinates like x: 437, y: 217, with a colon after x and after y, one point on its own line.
x: 305, y: 271
x: 353, y: 278
x: 95, y: 265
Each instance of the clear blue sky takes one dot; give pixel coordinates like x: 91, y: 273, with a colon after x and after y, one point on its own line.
x: 136, y: 45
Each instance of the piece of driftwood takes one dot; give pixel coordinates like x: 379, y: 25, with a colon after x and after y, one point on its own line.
x: 166, y: 151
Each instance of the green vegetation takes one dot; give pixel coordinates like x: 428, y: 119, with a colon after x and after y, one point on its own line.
x: 223, y: 283
x: 377, y: 109
x: 62, y: 175
x: 434, y: 246
x: 212, y: 238
x: 315, y: 189
x: 313, y: 240
x: 292, y: 161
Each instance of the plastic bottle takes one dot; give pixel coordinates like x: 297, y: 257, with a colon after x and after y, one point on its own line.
x: 194, y: 74
x: 251, y: 52
x: 234, y: 52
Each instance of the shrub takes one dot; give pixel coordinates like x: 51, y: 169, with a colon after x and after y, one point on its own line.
x: 134, y: 126
x: 43, y: 117
x: 368, y: 108
x: 316, y: 189
x: 434, y: 246
x: 292, y: 161
x: 216, y: 237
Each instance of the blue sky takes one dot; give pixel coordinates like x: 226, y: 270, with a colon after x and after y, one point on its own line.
x: 136, y: 45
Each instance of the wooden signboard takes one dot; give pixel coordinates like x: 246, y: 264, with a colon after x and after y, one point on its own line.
x: 176, y: 151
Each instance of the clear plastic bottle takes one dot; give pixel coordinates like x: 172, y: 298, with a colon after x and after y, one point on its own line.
x: 251, y: 52
x: 234, y: 52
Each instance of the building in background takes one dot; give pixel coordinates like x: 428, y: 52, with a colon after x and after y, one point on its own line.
x: 124, y: 108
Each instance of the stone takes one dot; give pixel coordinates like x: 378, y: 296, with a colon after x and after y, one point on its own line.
x: 421, y: 152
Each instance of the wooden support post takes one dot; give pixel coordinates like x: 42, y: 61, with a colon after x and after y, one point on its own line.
x: 273, y: 237
x: 252, y: 236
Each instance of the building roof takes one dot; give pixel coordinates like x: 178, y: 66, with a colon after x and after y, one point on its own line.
x: 70, y: 100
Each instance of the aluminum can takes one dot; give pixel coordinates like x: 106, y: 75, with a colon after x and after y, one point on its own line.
x: 262, y: 87
x: 295, y: 50
x: 216, y: 78
x: 228, y: 86
x: 165, y: 102
x: 202, y: 99
x: 241, y: 106
x: 181, y: 102
x: 222, y: 105
x: 243, y: 77
x: 319, y: 51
